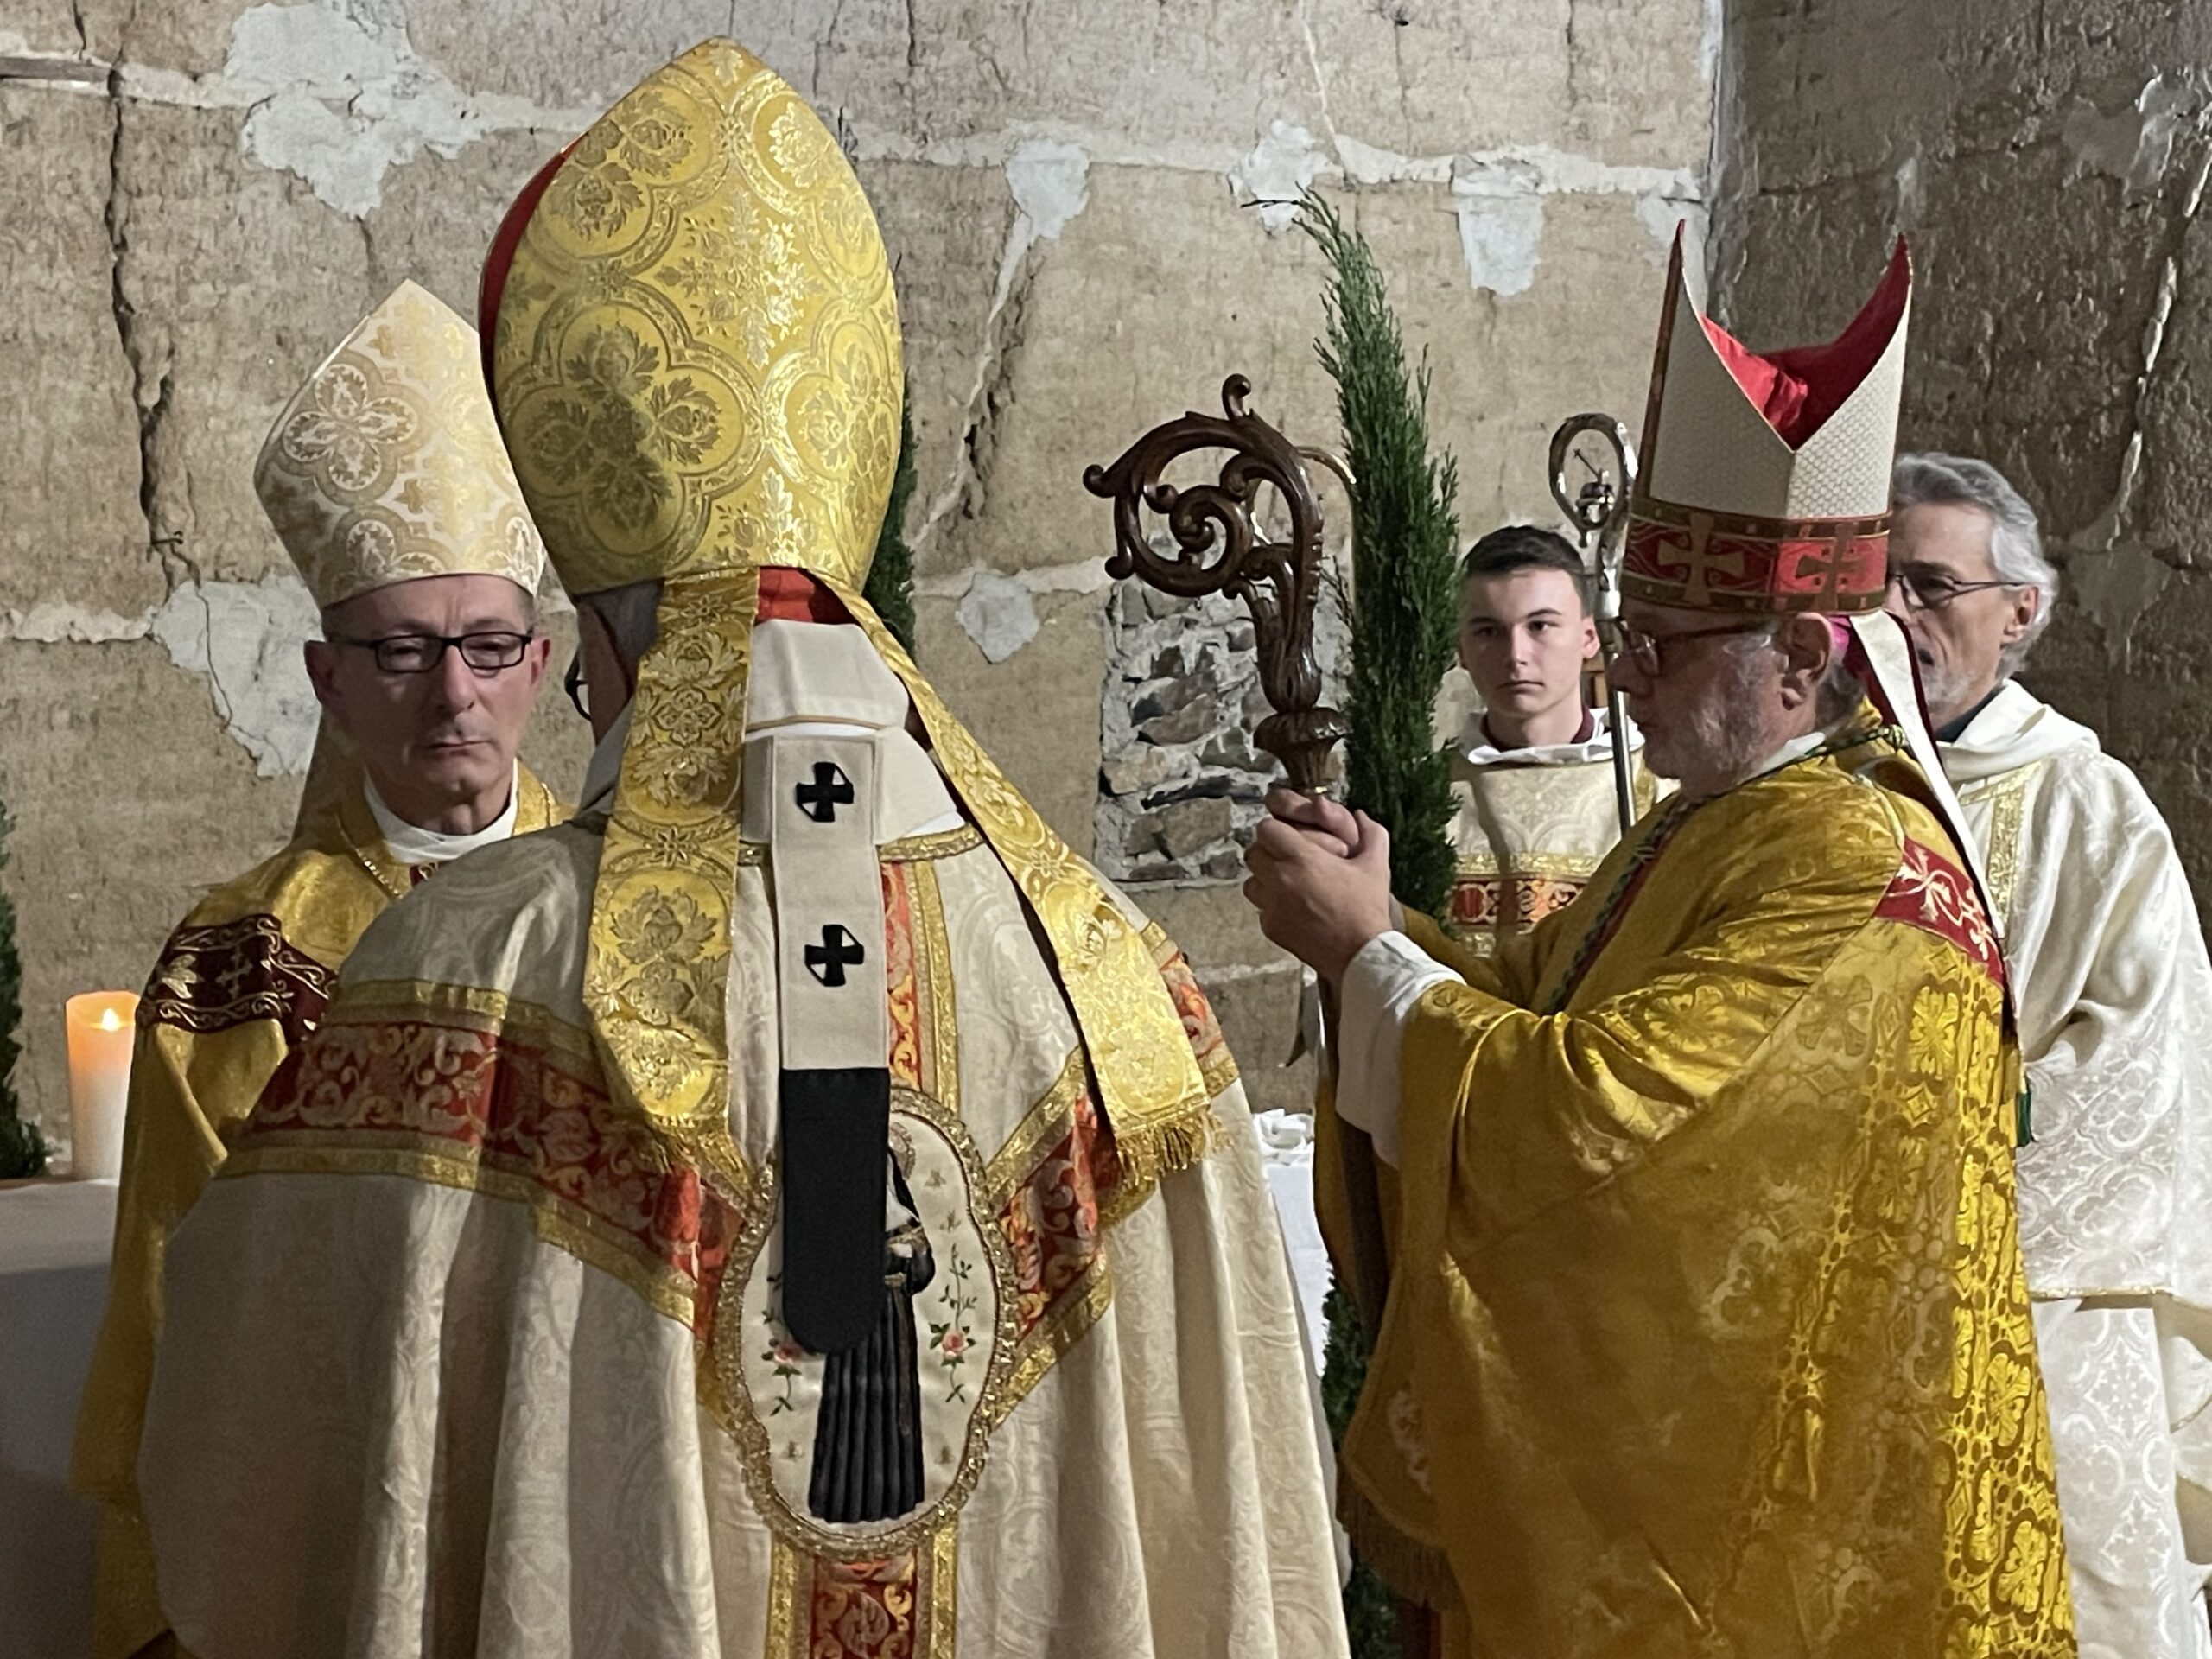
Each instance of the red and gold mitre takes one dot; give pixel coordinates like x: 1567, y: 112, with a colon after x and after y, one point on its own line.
x: 1764, y: 482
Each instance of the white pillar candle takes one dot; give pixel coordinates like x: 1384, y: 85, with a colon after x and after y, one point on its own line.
x: 102, y: 1026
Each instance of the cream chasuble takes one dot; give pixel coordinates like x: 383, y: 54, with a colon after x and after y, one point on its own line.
x: 527, y: 1376
x: 464, y: 1356
x: 2116, y: 1004
x: 1529, y: 825
x: 242, y: 981
x: 385, y: 466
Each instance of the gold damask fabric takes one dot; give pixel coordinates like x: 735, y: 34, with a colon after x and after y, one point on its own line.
x: 387, y: 464
x: 695, y: 361
x: 1708, y: 1334
x: 243, y: 980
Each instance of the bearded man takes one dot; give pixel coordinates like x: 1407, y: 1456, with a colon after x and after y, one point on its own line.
x: 1705, y: 1329
x: 2109, y: 964
x: 386, y: 481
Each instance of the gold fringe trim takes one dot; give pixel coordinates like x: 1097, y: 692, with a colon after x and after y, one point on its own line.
x: 1153, y: 1151
x: 1419, y: 1573
x: 1176, y: 1143
x: 1220, y: 1071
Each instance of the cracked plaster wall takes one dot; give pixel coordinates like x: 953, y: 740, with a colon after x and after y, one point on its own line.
x: 1083, y: 201
x: 2049, y: 165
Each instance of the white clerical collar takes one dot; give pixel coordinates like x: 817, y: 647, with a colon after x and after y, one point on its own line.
x: 1476, y: 748
x: 412, y: 844
x: 2013, y: 729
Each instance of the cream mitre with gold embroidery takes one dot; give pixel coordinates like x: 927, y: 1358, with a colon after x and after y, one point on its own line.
x: 387, y: 464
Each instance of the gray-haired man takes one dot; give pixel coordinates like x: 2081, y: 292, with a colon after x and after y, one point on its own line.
x: 2114, y: 994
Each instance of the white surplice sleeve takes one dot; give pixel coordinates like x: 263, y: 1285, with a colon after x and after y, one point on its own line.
x: 1381, y: 987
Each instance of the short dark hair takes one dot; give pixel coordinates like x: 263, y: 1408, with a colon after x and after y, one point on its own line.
x: 1526, y: 547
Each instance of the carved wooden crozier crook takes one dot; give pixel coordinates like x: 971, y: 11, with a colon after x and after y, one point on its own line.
x: 1599, y: 510
x: 1278, y: 581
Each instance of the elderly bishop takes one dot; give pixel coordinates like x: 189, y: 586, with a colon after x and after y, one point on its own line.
x: 796, y: 1208
x: 1706, y: 1331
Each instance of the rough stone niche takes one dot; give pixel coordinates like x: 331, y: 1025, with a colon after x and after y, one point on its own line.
x: 1179, y: 783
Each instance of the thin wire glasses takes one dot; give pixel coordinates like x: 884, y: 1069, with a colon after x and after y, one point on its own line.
x: 1647, y: 652
x: 1928, y: 588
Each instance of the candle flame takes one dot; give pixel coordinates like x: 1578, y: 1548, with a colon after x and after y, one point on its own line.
x: 110, y: 1020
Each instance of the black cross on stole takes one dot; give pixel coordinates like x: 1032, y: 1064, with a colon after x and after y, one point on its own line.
x: 830, y: 789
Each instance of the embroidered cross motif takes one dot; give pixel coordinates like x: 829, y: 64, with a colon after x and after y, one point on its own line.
x: 1702, y: 559
x: 838, y: 950
x: 830, y: 789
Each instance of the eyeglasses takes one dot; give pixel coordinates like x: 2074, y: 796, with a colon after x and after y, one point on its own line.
x: 1927, y: 589
x: 1646, y: 653
x: 577, y: 687
x: 418, y: 653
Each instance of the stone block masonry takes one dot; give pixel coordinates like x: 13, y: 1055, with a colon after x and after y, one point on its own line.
x: 2050, y: 171
x: 1179, y: 783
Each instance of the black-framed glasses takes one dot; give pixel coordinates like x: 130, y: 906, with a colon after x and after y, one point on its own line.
x: 1927, y: 589
x: 1646, y: 653
x: 577, y: 687
x: 485, y: 653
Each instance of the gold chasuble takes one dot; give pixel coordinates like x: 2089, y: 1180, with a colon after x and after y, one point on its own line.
x: 1707, y: 1334
x: 519, y: 1322
x: 385, y: 466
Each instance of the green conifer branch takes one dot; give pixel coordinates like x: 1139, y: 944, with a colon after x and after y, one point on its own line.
x: 1404, y: 615
x: 22, y: 1148
x: 890, y: 586
x: 1405, y: 576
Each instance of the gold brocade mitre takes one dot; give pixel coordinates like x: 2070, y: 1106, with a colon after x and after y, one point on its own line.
x: 387, y: 464
x: 696, y: 353
x: 692, y: 341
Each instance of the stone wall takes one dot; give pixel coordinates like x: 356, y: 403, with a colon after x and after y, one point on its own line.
x: 1179, y: 783
x: 202, y: 194
x: 2049, y: 165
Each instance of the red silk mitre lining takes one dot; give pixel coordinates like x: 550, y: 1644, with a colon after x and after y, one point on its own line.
x: 1797, y: 390
x: 501, y: 256
x: 791, y: 595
